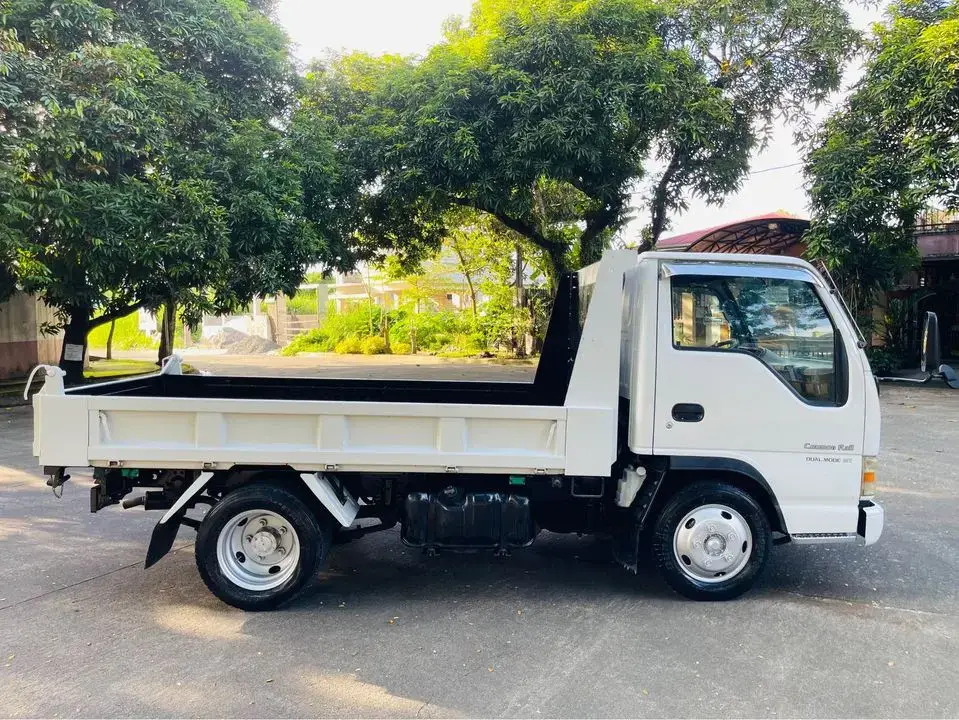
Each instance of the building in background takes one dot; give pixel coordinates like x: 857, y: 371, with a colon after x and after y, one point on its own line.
x: 776, y: 233
x: 936, y: 282
x: 23, y: 342
x: 442, y: 284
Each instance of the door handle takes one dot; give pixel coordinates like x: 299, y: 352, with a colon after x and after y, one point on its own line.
x: 688, y: 412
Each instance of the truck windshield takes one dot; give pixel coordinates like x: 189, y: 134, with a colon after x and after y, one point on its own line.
x: 782, y: 323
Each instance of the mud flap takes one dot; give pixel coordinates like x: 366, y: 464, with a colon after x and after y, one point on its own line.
x: 626, y: 543
x: 161, y: 542
x: 164, y: 534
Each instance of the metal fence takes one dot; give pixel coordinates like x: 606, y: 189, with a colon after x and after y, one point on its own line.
x: 936, y: 220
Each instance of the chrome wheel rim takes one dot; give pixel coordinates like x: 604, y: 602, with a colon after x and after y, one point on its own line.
x: 258, y: 550
x: 712, y: 543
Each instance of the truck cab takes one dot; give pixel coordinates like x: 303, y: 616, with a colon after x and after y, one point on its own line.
x: 756, y: 363
x: 699, y: 408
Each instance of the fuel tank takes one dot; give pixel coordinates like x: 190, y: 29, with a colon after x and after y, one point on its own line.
x: 455, y: 519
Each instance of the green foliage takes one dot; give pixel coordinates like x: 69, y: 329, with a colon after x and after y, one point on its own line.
x: 545, y: 114
x: 770, y: 60
x: 503, y: 322
x: 431, y: 331
x: 312, y: 341
x: 896, y: 322
x: 883, y: 360
x: 485, y: 254
x: 126, y: 335
x: 373, y: 345
x: 354, y: 323
x: 891, y: 149
x: 137, y: 168
x: 304, y: 302
x: 348, y: 346
x: 446, y: 332
x: 464, y: 345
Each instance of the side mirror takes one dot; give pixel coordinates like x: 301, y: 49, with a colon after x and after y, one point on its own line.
x: 931, y: 356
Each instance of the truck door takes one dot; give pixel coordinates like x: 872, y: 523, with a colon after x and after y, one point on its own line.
x: 752, y: 372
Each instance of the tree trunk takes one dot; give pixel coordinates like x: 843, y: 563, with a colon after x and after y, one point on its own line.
x: 519, y: 336
x: 167, y: 329
x: 75, y: 344
x: 113, y: 326
x: 469, y: 278
x: 469, y: 282
x: 386, y: 330
x: 520, y: 290
x: 659, y: 209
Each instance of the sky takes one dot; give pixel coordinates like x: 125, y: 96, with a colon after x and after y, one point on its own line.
x: 412, y: 26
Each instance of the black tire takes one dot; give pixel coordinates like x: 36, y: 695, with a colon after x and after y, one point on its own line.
x: 313, y: 533
x: 676, y: 510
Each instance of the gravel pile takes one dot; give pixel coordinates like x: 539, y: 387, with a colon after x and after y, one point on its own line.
x: 239, y: 343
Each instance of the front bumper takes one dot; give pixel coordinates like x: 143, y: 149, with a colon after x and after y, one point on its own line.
x: 871, y: 518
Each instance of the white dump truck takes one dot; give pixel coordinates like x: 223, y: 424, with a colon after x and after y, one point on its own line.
x: 697, y: 407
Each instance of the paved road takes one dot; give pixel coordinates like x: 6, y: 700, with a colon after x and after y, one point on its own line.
x: 556, y: 630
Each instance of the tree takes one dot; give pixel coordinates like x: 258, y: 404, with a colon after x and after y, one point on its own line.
x: 537, y: 120
x: 365, y: 206
x: 479, y: 243
x: 769, y: 60
x: 889, y: 151
x: 139, y: 170
x: 545, y: 114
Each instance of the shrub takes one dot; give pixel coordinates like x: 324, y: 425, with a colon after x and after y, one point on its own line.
x: 348, y: 346
x: 883, y: 361
x: 373, y: 345
x: 353, y: 323
x: 313, y: 341
x: 431, y: 330
x: 464, y: 345
x: 448, y: 333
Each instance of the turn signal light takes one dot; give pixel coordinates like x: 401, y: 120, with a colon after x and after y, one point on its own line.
x: 870, y: 467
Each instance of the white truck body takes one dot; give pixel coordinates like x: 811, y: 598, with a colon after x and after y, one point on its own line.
x: 749, y: 413
x: 80, y: 430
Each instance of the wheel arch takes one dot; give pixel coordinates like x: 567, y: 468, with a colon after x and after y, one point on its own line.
x: 322, y: 492
x: 684, y: 470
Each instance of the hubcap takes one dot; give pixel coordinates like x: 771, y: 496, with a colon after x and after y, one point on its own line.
x: 258, y: 550
x: 712, y: 543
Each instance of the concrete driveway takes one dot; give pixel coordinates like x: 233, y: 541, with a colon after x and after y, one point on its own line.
x: 557, y: 630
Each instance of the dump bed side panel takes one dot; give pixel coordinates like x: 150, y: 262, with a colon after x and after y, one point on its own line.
x: 218, y: 434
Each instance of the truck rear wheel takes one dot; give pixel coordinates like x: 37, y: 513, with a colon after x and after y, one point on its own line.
x: 711, y: 541
x: 259, y: 546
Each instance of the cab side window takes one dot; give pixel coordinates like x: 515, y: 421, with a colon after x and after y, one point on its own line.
x: 782, y: 323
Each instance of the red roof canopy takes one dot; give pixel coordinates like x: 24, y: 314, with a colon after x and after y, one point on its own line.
x: 772, y: 234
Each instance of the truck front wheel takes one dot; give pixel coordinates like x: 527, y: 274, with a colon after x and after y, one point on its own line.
x: 259, y: 546
x: 711, y: 541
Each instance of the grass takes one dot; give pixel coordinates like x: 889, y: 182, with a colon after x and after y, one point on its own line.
x: 100, y: 369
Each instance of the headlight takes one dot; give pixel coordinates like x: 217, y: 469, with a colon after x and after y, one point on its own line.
x: 870, y: 468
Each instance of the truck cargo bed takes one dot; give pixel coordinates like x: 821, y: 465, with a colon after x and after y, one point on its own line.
x: 345, y: 390
x: 548, y: 388
x: 197, y: 422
